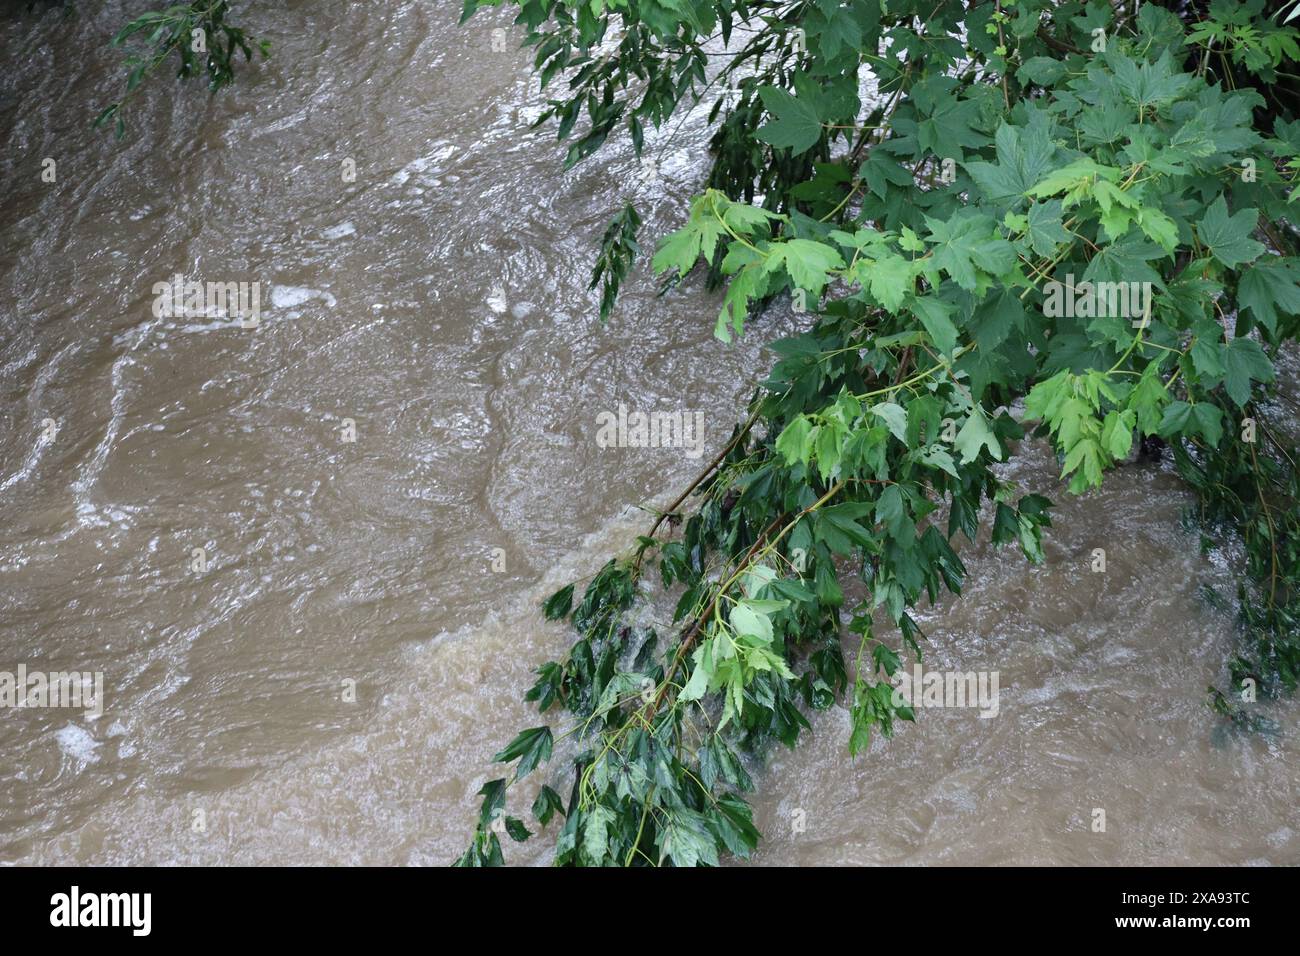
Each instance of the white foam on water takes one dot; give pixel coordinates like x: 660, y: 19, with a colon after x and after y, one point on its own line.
x: 77, y: 743
x: 292, y: 296
x: 339, y: 231
x: 29, y: 465
x: 418, y: 167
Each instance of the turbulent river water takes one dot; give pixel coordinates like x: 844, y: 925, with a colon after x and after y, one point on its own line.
x: 325, y: 681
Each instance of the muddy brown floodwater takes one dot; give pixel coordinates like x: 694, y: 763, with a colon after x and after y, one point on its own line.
x: 439, y: 303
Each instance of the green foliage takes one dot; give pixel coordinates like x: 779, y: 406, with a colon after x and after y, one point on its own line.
x: 200, y: 36
x: 1247, y: 37
x: 618, y: 249
x: 1038, y: 217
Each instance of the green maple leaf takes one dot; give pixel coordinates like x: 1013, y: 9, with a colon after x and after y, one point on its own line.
x: 677, y: 250
x: 1148, y: 398
x: 1125, y: 261
x: 595, y: 832
x: 934, y: 315
x: 747, y: 284
x: 889, y: 279
x: 879, y: 172
x: 838, y: 527
x: 891, y: 511
x: 835, y: 28
x: 1217, y: 128
x: 1149, y: 84
x: 967, y: 242
x: 1044, y: 401
x: 531, y: 746
x: 995, y: 317
x: 1244, y: 361
x: 1041, y: 70
x: 1089, y: 458
x: 1023, y: 157
x: 952, y: 125
x: 795, y: 441
x: 1158, y: 227
x: 795, y: 123
x: 1228, y: 237
x: 894, y: 416
x: 1074, y: 180
x: 974, y: 435
x: 1175, y: 419
x: 806, y: 261
x: 1270, y: 287
x: 1207, y: 352
x: 686, y: 839
x: 1117, y: 432
x: 1046, y: 227
x: 546, y: 805
x: 1209, y: 422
